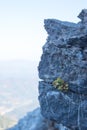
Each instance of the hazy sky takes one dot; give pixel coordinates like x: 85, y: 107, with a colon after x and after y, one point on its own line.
x: 22, y: 34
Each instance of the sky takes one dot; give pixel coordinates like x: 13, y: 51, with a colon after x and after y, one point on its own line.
x: 22, y: 32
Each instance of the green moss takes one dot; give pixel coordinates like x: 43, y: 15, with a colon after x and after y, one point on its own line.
x: 60, y: 84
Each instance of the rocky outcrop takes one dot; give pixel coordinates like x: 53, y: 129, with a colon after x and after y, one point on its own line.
x: 63, y: 63
x: 65, y: 56
x: 35, y: 121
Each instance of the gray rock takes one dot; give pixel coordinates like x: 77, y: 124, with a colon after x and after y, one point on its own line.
x: 32, y: 121
x: 67, y: 108
x: 65, y: 56
x: 83, y: 15
x: 35, y: 121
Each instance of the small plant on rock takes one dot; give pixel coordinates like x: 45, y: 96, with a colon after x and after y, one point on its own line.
x: 60, y: 84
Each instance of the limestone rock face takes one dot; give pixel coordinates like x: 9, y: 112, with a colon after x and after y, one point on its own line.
x: 65, y: 56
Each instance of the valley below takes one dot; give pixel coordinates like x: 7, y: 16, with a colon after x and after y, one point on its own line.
x: 18, y: 91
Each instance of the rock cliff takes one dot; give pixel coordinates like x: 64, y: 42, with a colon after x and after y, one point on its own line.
x: 65, y: 57
x: 63, y: 74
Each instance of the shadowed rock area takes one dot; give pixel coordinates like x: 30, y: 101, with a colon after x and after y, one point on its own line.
x: 65, y: 56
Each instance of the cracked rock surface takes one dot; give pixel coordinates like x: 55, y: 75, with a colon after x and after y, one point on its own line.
x: 65, y: 56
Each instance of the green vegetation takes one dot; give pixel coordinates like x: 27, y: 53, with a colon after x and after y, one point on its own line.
x: 60, y: 84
